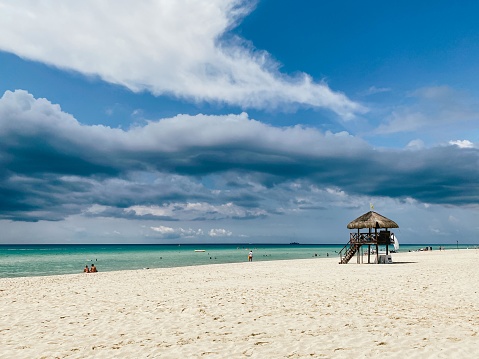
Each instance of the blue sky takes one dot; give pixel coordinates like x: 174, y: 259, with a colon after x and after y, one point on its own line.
x: 237, y: 121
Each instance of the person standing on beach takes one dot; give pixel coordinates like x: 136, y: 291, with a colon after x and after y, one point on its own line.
x: 250, y: 256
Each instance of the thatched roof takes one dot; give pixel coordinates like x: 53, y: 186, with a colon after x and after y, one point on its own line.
x: 372, y: 220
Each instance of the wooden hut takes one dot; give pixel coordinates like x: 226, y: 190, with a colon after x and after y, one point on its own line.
x: 380, y: 236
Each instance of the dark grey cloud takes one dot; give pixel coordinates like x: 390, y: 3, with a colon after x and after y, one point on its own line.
x: 52, y: 166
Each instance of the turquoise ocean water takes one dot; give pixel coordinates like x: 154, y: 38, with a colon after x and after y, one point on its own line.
x: 41, y: 260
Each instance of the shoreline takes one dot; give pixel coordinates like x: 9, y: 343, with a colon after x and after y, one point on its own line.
x: 57, y: 260
x: 334, y: 257
x: 423, y: 305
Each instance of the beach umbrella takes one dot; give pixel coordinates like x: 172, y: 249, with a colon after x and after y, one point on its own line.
x: 372, y: 220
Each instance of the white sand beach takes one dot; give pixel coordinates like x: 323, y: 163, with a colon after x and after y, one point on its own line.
x: 424, y: 305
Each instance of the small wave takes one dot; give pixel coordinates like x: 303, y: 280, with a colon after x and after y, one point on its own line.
x: 21, y: 249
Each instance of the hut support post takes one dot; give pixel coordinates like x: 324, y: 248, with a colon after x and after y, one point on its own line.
x: 359, y: 249
x: 387, y: 245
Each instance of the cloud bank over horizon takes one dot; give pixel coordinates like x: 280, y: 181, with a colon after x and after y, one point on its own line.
x: 146, y: 46
x: 195, y: 168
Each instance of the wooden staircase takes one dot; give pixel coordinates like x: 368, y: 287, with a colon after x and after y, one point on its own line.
x: 348, y: 252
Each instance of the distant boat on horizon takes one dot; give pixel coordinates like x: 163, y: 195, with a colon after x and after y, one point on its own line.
x: 294, y: 243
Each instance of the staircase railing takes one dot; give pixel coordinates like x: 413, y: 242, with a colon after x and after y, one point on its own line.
x: 348, y: 251
x: 356, y: 240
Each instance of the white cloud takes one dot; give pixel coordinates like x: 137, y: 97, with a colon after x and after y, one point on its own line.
x: 162, y: 46
x: 150, y: 210
x: 453, y: 219
x: 403, y: 120
x: 96, y: 209
x: 375, y: 90
x: 163, y: 229
x: 415, y: 145
x: 192, y: 211
x: 170, y: 232
x: 336, y: 192
x: 436, y: 108
x: 22, y: 113
x: 219, y: 232
x: 189, y: 232
x: 462, y: 143
x: 435, y: 230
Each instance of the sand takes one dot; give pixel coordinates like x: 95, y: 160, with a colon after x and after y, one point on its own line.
x: 424, y: 305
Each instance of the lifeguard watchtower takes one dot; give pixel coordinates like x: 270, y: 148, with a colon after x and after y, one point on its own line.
x: 380, y: 236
